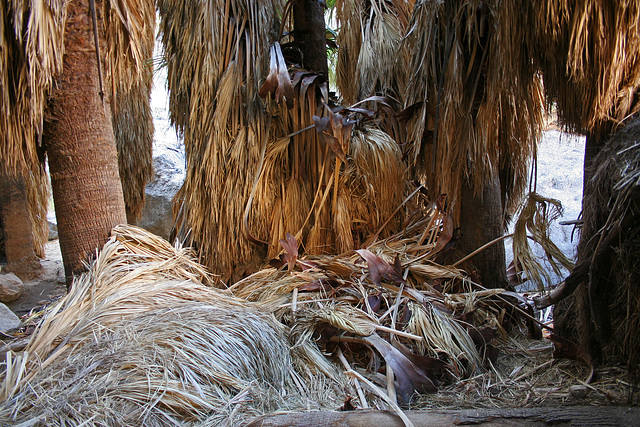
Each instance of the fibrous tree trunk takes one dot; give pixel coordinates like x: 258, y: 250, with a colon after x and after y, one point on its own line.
x: 567, y: 311
x: 17, y: 228
x: 481, y: 221
x: 309, y: 33
x: 81, y: 147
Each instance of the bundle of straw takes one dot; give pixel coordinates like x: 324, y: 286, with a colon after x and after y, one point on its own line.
x: 140, y: 340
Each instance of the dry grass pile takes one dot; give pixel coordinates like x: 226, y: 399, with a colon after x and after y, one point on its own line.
x: 527, y: 375
x: 387, y: 307
x: 140, y: 340
x: 474, y: 113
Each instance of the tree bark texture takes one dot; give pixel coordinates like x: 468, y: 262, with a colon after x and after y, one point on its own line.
x: 567, y: 312
x: 310, y: 35
x: 481, y: 221
x: 574, y: 415
x: 81, y: 146
x: 17, y: 229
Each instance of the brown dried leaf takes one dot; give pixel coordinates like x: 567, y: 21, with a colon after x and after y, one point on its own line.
x: 445, y: 235
x: 410, y: 378
x: 379, y: 268
x: 290, y: 246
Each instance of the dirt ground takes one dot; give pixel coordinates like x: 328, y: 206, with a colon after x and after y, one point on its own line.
x: 46, y: 288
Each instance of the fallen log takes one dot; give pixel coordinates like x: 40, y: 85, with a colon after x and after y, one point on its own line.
x: 570, y: 415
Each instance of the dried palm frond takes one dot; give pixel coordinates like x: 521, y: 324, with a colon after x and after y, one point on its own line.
x: 31, y: 49
x: 38, y: 188
x: 341, y: 299
x: 216, y: 54
x: 589, y: 55
x: 140, y: 340
x: 609, y: 319
x: 475, y: 114
x: 130, y: 34
x: 372, y: 58
x: 369, y: 48
x: 534, y: 222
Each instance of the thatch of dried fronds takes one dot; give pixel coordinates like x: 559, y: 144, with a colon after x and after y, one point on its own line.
x: 331, y: 207
x: 589, y: 55
x: 610, y: 309
x: 31, y: 49
x: 216, y: 53
x: 369, y: 39
x: 339, y: 297
x: 140, y: 340
x: 534, y: 221
x: 475, y: 114
x: 130, y: 35
x: 526, y: 375
x: 38, y: 189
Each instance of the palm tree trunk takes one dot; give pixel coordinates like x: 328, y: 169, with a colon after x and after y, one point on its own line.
x: 309, y: 33
x: 17, y: 229
x: 81, y: 146
x: 482, y: 220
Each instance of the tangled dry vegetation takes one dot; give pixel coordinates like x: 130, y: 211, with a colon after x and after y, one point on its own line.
x: 145, y: 337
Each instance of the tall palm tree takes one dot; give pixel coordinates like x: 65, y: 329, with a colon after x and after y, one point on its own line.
x: 52, y: 62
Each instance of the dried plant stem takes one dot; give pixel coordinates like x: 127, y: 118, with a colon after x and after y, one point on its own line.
x: 407, y: 422
x: 482, y: 248
x: 363, y: 400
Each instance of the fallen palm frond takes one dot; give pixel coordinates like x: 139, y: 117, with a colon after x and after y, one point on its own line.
x: 393, y: 289
x: 534, y: 221
x: 140, y: 340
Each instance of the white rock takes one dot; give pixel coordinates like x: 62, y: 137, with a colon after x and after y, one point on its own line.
x: 8, y: 319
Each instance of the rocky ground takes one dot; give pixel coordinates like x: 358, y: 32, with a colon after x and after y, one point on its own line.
x: 37, y: 292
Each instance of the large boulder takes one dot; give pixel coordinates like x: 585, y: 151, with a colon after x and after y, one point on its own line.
x: 157, y: 216
x: 10, y: 287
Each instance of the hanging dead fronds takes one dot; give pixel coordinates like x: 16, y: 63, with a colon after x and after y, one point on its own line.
x: 534, y: 222
x: 369, y: 43
x: 38, y: 189
x: 589, y: 55
x: 130, y: 35
x: 31, y: 49
x: 609, y: 316
x: 217, y: 55
x: 473, y: 114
